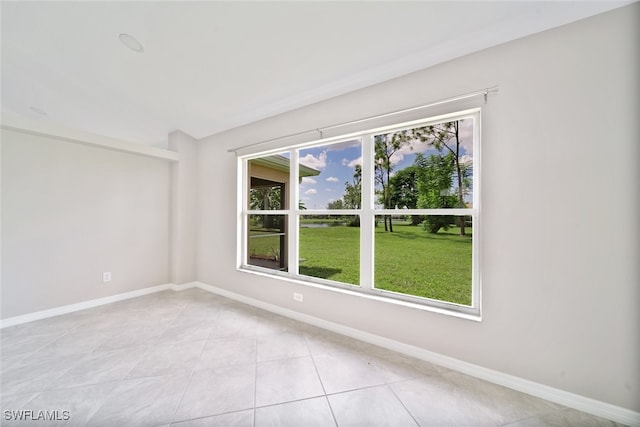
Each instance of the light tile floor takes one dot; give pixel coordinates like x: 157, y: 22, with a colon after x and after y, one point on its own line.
x: 193, y: 358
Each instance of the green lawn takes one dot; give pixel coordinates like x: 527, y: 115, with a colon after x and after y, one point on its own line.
x: 331, y: 253
x: 409, y: 260
x: 414, y: 262
x: 264, y: 247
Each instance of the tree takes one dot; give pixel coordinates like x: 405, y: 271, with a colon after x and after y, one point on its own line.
x: 267, y: 198
x: 434, y: 175
x: 353, y: 191
x: 385, y: 147
x: 336, y: 204
x: 404, y: 190
x: 351, y: 197
x: 446, y: 137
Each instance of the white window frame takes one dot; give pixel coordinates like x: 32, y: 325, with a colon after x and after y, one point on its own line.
x: 367, y: 215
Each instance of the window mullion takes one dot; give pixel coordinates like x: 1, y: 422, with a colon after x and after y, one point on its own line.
x: 367, y: 214
x: 293, y: 220
x: 476, y: 287
x: 241, y: 206
x: 410, y: 260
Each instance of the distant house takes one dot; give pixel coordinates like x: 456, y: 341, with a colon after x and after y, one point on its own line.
x: 273, y: 172
x: 269, y: 178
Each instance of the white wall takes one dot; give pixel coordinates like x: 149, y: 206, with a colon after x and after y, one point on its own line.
x: 70, y: 212
x: 561, y: 294
x: 183, y: 231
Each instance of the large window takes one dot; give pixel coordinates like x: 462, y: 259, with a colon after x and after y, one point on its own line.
x: 390, y: 212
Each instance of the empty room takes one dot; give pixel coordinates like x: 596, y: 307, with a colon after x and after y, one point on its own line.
x: 320, y: 213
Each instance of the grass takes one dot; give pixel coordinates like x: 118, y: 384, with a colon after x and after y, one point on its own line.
x: 409, y: 260
x: 265, y: 247
x: 332, y: 220
x: 331, y: 253
x: 412, y: 261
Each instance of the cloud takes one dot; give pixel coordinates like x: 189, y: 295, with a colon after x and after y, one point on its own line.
x: 466, y: 135
x: 332, y: 179
x: 397, y: 157
x: 466, y: 159
x: 352, y: 163
x: 409, y: 148
x: 314, y: 162
x: 308, y: 181
x: 416, y: 146
x: 311, y: 191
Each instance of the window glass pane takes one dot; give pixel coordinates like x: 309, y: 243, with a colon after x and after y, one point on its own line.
x: 427, y: 167
x: 330, y: 247
x: 268, y: 179
x: 413, y: 173
x: 330, y: 176
x: 432, y: 259
x: 267, y: 245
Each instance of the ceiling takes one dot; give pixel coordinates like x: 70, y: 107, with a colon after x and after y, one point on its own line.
x: 212, y: 66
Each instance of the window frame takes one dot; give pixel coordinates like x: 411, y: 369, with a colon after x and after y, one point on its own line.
x: 367, y: 214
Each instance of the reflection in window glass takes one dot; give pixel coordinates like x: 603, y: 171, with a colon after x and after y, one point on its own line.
x: 330, y: 247
x: 267, y: 241
x: 331, y: 176
x: 414, y: 260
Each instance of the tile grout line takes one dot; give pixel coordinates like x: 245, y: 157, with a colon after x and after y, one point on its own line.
x: 186, y: 387
x: 304, y: 399
x: 515, y: 422
x: 173, y: 423
x: 255, y: 375
x: 326, y: 397
x: 403, y: 405
x: 173, y: 318
x: 104, y: 402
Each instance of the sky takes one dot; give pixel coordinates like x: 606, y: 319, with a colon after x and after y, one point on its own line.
x: 336, y: 163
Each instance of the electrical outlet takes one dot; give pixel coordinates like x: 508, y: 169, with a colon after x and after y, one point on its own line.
x: 106, y: 277
x: 297, y: 297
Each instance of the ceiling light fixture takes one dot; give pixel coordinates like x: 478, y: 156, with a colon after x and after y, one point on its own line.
x: 129, y: 41
x: 38, y: 111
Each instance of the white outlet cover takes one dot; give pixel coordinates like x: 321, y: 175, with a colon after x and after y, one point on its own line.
x: 106, y: 277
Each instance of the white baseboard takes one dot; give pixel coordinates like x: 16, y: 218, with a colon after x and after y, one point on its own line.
x: 572, y: 400
x: 182, y: 287
x: 17, y: 320
x: 582, y: 403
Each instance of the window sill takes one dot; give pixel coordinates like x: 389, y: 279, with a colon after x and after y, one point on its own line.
x: 363, y: 294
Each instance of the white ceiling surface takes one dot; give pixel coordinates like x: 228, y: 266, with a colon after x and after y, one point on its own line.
x: 211, y: 66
